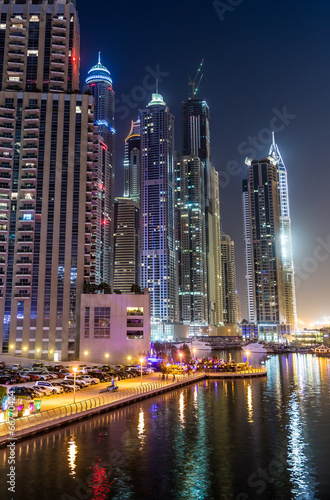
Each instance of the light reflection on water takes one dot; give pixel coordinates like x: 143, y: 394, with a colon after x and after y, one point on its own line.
x: 225, y: 439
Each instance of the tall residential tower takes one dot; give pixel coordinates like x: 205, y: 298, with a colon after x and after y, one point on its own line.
x: 158, y: 254
x: 99, y: 83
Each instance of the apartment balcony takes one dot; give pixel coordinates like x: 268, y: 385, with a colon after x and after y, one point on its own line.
x: 57, y: 64
x: 58, y: 45
x: 13, y: 35
x: 24, y: 250
x: 32, y: 167
x: 5, y: 176
x: 25, y: 262
x: 15, y: 62
x: 22, y: 296
x: 19, y: 20
x: 32, y: 118
x: 28, y: 186
x: 32, y: 109
x: 5, y: 157
x: 26, y: 207
x: 25, y: 240
x: 30, y: 158
x: 6, y: 127
x: 58, y: 55
x: 56, y: 88
x: 3, y: 249
x: 23, y: 273
x: 4, y: 137
x: 26, y: 229
x: 29, y: 147
x: 31, y: 177
x: 6, y: 147
x: 58, y: 35
x: 15, y: 53
x: 7, y: 118
x: 56, y: 81
x: 31, y: 128
x: 57, y: 72
x: 15, y: 44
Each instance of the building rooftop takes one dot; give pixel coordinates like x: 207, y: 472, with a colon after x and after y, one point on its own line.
x: 98, y: 73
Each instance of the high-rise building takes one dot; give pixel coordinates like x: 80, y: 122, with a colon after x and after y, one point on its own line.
x: 286, y: 240
x: 48, y: 153
x: 99, y: 84
x: 196, y: 143
x: 46, y: 222
x: 265, y: 232
x: 127, y: 215
x: 190, y: 209
x: 158, y: 253
x: 132, y: 165
x: 248, y: 254
x: 39, y: 45
x: 228, y: 267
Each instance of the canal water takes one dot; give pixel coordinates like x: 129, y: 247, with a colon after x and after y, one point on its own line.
x: 227, y: 439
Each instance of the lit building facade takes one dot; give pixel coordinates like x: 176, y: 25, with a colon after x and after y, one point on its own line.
x: 46, y: 193
x: 286, y: 240
x: 265, y: 233
x: 132, y: 165
x: 39, y: 45
x: 228, y: 269
x: 114, y: 327
x: 158, y: 253
x: 99, y: 84
x: 248, y: 253
x: 127, y: 225
x: 192, y: 255
x: 196, y: 143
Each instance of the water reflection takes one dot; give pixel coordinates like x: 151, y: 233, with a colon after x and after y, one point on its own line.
x: 219, y: 440
x: 249, y: 404
x: 72, y: 456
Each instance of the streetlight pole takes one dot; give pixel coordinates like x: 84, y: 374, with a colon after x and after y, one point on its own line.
x: 141, y: 361
x: 74, y: 383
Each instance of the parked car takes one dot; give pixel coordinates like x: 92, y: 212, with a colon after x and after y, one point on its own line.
x: 4, y: 379
x: 63, y: 372
x: 15, y: 367
x: 45, y: 390
x: 37, y: 365
x: 69, y: 384
x: 56, y: 389
x: 24, y: 376
x: 90, y: 380
x: 79, y: 381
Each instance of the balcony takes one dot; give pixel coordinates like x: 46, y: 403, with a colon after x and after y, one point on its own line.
x: 24, y: 250
x: 7, y: 117
x: 30, y: 147
x: 28, y: 186
x: 15, y: 62
x: 58, y: 55
x: 32, y: 118
x: 23, y: 273
x: 25, y: 262
x: 30, y: 158
x: 31, y: 128
x: 22, y: 296
x: 15, y: 53
x: 15, y: 44
x: 29, y: 167
x: 26, y: 229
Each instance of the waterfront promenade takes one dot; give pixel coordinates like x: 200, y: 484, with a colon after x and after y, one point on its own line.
x: 61, y: 410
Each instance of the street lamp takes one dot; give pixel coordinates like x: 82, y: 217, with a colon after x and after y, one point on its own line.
x: 129, y: 358
x: 194, y: 351
x: 180, y: 354
x: 74, y: 383
x: 141, y: 361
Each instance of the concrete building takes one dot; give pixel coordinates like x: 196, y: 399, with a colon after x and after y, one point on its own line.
x: 126, y: 269
x: 248, y: 254
x: 113, y: 327
x: 48, y: 156
x: 39, y: 45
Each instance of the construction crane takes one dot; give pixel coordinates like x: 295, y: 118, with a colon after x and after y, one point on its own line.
x: 193, y: 84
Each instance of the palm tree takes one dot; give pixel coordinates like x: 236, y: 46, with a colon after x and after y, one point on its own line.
x: 136, y: 288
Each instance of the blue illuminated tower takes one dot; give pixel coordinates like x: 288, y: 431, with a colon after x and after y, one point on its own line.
x: 99, y: 83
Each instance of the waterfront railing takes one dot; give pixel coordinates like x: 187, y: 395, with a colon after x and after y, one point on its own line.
x: 37, y: 420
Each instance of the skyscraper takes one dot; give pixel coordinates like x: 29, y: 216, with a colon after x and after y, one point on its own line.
x: 248, y: 254
x: 47, y: 158
x: 132, y: 165
x: 127, y: 215
x: 228, y: 267
x: 190, y: 206
x: 99, y: 83
x: 196, y: 143
x: 265, y: 232
x: 286, y: 240
x: 39, y: 45
x: 158, y: 254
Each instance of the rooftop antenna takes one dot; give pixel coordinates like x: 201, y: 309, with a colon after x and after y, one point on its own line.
x: 156, y: 85
x: 99, y: 57
x: 194, y: 86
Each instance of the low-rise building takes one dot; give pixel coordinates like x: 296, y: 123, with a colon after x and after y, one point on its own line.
x: 114, y: 327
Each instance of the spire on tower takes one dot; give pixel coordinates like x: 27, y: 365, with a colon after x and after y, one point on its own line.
x: 99, y: 57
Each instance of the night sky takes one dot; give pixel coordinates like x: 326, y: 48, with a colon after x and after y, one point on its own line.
x: 262, y: 59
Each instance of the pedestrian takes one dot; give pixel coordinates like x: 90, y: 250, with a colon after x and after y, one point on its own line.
x: 163, y: 376
x: 173, y: 377
x: 116, y: 380
x: 112, y: 381
x: 166, y: 376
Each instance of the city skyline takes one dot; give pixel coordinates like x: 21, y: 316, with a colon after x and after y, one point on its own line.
x: 248, y: 104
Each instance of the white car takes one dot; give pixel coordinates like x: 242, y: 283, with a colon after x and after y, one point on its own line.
x: 79, y: 380
x: 90, y: 380
x: 42, y: 391
x: 55, y: 389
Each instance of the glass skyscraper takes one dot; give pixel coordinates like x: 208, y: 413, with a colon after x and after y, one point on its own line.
x: 158, y: 254
x: 132, y: 165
